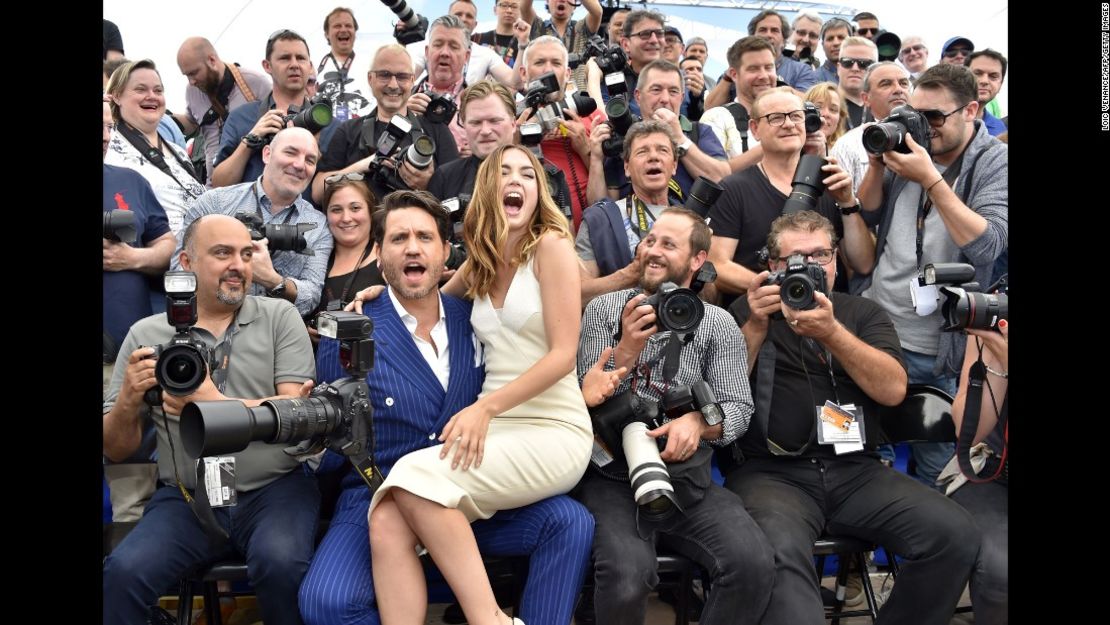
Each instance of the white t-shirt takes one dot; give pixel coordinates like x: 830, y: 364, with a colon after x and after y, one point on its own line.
x: 482, y: 61
x: 723, y: 124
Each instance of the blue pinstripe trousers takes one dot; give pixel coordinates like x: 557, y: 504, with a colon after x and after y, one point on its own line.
x: 556, y: 532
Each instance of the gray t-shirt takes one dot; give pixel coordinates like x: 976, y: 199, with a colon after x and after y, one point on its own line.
x: 897, y: 265
x: 269, y: 345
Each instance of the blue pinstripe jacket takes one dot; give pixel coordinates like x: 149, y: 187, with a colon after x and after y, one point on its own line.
x: 410, y: 407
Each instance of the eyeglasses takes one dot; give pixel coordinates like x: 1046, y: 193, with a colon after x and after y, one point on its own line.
x: 935, y: 118
x: 337, y: 178
x: 847, y: 63
x: 821, y: 257
x: 914, y: 48
x: 672, y: 40
x: 507, y: 6
x: 647, y: 33
x: 109, y: 127
x: 778, y: 119
x: 386, y: 76
x: 868, y: 31
x: 952, y: 53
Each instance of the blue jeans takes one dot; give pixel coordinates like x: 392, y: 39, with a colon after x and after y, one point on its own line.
x: 930, y: 457
x: 989, y: 505
x: 717, y: 533
x: 794, y: 500
x: 274, y: 527
x: 555, y: 532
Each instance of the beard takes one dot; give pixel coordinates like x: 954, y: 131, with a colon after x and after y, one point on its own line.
x: 229, y: 296
x: 671, y: 274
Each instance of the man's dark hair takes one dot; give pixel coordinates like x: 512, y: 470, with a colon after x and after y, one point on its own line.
x: 764, y: 14
x: 957, y: 80
x: 635, y: 17
x: 411, y: 199
x: 751, y: 43
x: 336, y: 11
x: 992, y: 54
x: 864, y: 15
x: 284, y: 35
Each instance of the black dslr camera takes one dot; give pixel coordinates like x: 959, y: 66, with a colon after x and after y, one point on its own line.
x: 621, y: 119
x: 119, y: 225
x: 609, y: 58
x: 440, y: 109
x: 697, y: 397
x: 676, y: 309
x: 389, y: 155
x: 336, y: 416
x: 800, y: 283
x: 541, y: 95
x: 456, y: 208
x: 281, y: 237
x: 622, y: 423
x: 964, y: 303
x: 813, y: 118
x: 891, y: 133
x: 182, y: 363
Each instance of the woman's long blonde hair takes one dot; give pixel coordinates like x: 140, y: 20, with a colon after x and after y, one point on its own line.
x: 486, y: 231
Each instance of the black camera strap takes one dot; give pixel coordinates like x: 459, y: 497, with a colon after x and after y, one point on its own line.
x: 925, y: 204
x: 740, y: 115
x: 354, y: 274
x: 976, y: 378
x: 156, y: 155
x: 258, y: 193
x: 343, y: 69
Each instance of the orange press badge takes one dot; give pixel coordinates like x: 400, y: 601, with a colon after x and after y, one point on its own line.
x: 836, y: 416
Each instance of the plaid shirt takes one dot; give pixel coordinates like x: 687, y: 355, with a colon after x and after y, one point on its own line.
x: 717, y: 354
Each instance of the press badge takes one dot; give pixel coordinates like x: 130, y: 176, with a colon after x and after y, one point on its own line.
x: 600, y: 456
x: 219, y: 481
x: 342, y: 113
x: 924, y: 298
x: 840, y: 426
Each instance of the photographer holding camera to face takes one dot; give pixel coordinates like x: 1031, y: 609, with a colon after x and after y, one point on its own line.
x: 266, y: 506
x: 392, y: 126
x: 937, y: 200
x: 821, y: 364
x: 682, y: 359
x: 292, y: 239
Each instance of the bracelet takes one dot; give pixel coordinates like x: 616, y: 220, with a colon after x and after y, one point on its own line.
x: 1001, y: 374
x: 930, y: 187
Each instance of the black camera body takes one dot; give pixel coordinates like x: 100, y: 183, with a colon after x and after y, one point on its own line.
x: 813, y: 118
x: 119, y: 225
x: 314, y: 117
x: 621, y: 118
x: 891, y: 133
x: 541, y: 95
x: 676, y: 309
x: 609, y: 58
x: 182, y: 362
x: 696, y: 397
x: 388, y: 154
x: 622, y: 423
x: 336, y: 415
x: 800, y: 282
x: 964, y: 304
x: 280, y: 237
x: 456, y: 208
x: 440, y: 109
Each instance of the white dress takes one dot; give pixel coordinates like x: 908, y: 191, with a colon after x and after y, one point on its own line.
x: 536, y: 450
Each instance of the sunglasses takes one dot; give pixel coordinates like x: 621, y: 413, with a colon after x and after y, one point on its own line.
x: 860, y: 63
x: 914, y: 48
x: 868, y: 31
x: 935, y: 118
x: 952, y: 53
x: 284, y: 33
x: 337, y: 178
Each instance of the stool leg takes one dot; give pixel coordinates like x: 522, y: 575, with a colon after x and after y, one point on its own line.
x: 868, y: 590
x: 185, y: 602
x: 212, y: 603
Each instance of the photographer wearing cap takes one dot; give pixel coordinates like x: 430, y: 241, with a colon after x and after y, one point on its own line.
x: 251, y: 126
x: 947, y: 203
x: 275, y: 199
x: 354, y: 145
x: 704, y: 522
x: 260, y: 350
x: 837, y: 358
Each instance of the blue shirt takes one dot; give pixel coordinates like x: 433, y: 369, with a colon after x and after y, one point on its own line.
x: 796, y: 74
x: 994, y: 125
x: 307, y: 272
x: 127, y: 294
x: 239, y: 123
x: 827, y: 73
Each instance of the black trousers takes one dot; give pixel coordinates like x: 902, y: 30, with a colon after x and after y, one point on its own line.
x: 795, y: 500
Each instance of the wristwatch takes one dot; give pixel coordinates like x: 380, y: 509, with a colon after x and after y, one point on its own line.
x: 253, y: 141
x: 682, y: 148
x: 848, y: 210
x: 277, y: 291
x: 712, y: 414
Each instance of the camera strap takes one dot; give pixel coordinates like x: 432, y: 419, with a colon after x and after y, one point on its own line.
x: 343, y: 69
x: 258, y: 193
x: 976, y: 377
x: 354, y: 274
x: 925, y: 204
x: 156, y: 155
x: 740, y: 115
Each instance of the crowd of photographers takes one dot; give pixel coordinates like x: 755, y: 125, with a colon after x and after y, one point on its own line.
x: 767, y: 257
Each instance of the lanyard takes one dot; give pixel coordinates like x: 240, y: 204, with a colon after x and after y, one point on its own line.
x: 640, y: 224
x: 258, y: 205
x: 354, y: 274
x: 925, y: 204
x: 342, y: 68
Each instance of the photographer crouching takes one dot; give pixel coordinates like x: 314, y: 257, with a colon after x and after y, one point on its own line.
x: 822, y: 363
x: 683, y: 360
x: 264, y: 506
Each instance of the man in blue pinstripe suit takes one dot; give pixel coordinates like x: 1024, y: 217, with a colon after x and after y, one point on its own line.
x: 428, y: 366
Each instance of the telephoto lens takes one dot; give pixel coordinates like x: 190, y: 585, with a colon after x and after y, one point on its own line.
x: 314, y: 118
x: 808, y: 184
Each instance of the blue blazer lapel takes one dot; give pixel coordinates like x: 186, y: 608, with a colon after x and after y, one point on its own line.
x: 395, y: 346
